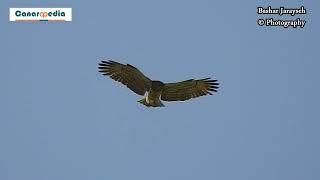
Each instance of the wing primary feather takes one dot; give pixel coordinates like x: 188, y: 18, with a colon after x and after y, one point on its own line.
x: 214, y: 83
x: 204, y: 79
x: 103, y: 67
x: 125, y: 74
x: 188, y: 89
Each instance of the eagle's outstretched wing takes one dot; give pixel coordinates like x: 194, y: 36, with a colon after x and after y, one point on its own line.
x: 188, y: 89
x: 127, y: 75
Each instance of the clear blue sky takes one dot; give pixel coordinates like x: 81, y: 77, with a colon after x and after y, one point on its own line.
x: 60, y: 119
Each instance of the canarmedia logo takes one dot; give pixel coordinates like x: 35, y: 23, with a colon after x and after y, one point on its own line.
x: 40, y: 14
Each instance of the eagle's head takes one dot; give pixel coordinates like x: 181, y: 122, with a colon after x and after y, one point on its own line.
x: 157, y: 85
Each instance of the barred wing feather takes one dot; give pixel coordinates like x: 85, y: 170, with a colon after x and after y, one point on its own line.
x: 188, y: 89
x: 127, y: 75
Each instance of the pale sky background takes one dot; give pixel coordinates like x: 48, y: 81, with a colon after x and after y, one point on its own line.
x: 60, y: 119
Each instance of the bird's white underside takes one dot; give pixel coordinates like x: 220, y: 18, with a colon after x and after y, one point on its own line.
x: 146, y: 95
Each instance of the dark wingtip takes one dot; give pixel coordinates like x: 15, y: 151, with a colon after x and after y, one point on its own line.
x: 214, y: 84
x: 109, y: 62
x: 212, y: 90
x: 208, y: 80
x: 213, y: 87
x: 205, y: 79
x: 104, y: 62
x: 211, y: 81
x: 103, y: 67
x: 112, y: 62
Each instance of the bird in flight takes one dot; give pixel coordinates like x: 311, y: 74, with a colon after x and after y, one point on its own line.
x: 155, y: 91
